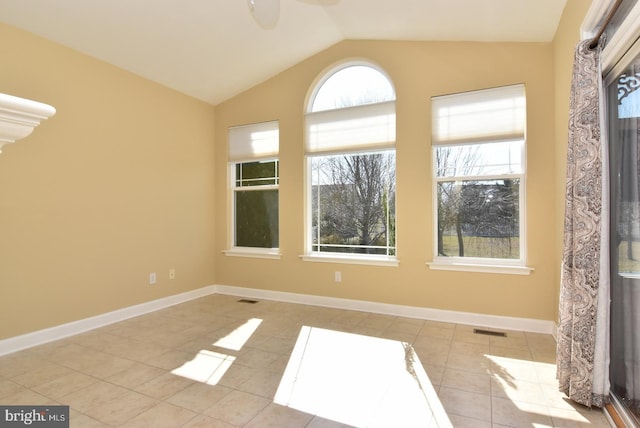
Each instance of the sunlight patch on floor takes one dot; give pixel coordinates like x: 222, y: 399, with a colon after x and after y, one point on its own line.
x: 207, y: 367
x: 359, y: 380
x: 238, y: 337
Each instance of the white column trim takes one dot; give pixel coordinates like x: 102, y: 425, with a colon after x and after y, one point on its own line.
x: 19, y: 116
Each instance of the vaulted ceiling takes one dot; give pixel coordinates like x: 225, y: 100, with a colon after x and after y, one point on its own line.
x: 215, y: 49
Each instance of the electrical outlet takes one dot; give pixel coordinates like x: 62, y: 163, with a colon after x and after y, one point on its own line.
x: 337, y: 276
x: 152, y: 278
x: 172, y: 274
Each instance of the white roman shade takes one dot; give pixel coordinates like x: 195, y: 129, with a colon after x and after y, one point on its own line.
x: 255, y: 141
x: 488, y: 115
x: 364, y: 127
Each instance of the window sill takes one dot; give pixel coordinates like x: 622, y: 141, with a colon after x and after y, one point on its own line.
x: 483, y: 268
x: 256, y: 253
x: 356, y: 259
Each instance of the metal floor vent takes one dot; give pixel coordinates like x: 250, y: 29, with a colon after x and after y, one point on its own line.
x: 489, y: 332
x: 247, y: 301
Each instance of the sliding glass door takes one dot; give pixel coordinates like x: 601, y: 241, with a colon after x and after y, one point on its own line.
x: 623, y: 117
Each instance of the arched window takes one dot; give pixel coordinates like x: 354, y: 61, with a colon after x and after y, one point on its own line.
x: 350, y: 133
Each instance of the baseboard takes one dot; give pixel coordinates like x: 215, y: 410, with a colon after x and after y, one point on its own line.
x: 41, y: 337
x: 480, y: 320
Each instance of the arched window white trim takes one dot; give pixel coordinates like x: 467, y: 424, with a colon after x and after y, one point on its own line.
x: 350, y: 130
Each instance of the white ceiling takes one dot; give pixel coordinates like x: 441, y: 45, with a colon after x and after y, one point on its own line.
x: 213, y: 49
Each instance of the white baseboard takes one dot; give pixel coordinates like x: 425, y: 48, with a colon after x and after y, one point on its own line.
x: 41, y: 337
x: 479, y: 320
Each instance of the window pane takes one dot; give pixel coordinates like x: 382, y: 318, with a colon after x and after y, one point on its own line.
x: 480, y: 159
x: 353, y: 203
x: 479, y: 219
x: 353, y: 86
x: 256, y: 173
x: 256, y: 218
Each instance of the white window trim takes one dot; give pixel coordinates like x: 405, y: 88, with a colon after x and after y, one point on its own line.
x: 350, y: 258
x: 251, y: 252
x: 471, y: 264
x: 480, y: 266
x: 327, y: 257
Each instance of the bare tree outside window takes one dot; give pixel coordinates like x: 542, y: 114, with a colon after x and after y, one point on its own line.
x: 353, y: 203
x: 477, y: 206
x: 350, y: 147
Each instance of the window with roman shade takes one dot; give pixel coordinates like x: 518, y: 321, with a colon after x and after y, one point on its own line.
x: 255, y: 179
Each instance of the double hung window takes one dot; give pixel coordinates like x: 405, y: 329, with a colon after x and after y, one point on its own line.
x: 350, y: 127
x: 479, y: 176
x: 255, y: 172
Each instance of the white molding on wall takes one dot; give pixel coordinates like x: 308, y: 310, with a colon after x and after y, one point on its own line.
x: 479, y: 320
x: 40, y: 337
x: 19, y: 116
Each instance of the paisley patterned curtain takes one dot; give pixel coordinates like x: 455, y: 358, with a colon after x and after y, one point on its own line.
x: 583, y: 327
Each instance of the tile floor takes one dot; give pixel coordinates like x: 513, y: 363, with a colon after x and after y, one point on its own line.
x: 216, y: 362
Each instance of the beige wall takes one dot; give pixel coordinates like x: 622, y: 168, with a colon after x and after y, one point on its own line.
x: 419, y: 71
x: 119, y: 183
x: 564, y: 43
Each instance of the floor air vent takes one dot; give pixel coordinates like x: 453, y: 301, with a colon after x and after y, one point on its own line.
x: 247, y: 301
x: 489, y: 332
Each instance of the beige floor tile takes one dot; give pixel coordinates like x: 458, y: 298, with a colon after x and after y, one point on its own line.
x: 164, y: 386
x: 468, y: 404
x: 437, y: 330
x: 470, y: 363
x: 44, y: 373
x: 20, y: 363
x: 511, y: 352
x: 511, y: 370
x: 318, y: 422
x: 377, y: 322
x: 513, y: 339
x: 9, y: 388
x: 256, y: 358
x: 470, y: 349
x: 26, y: 397
x: 58, y: 388
x: 238, y: 408
x: 276, y: 345
x: 465, y: 334
x: 236, y: 375
x: 463, y: 422
x: 108, y: 368
x: 121, y: 409
x: 432, y: 351
x: 435, y: 373
x: 79, y: 420
x: 203, y: 421
x: 278, y: 416
x: 94, y: 396
x: 120, y: 375
x: 199, y: 397
x: 467, y: 381
x: 518, y: 414
x: 162, y: 415
x: 135, y: 375
x: 265, y: 383
x: 170, y: 360
x: 529, y: 392
x: 563, y: 418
